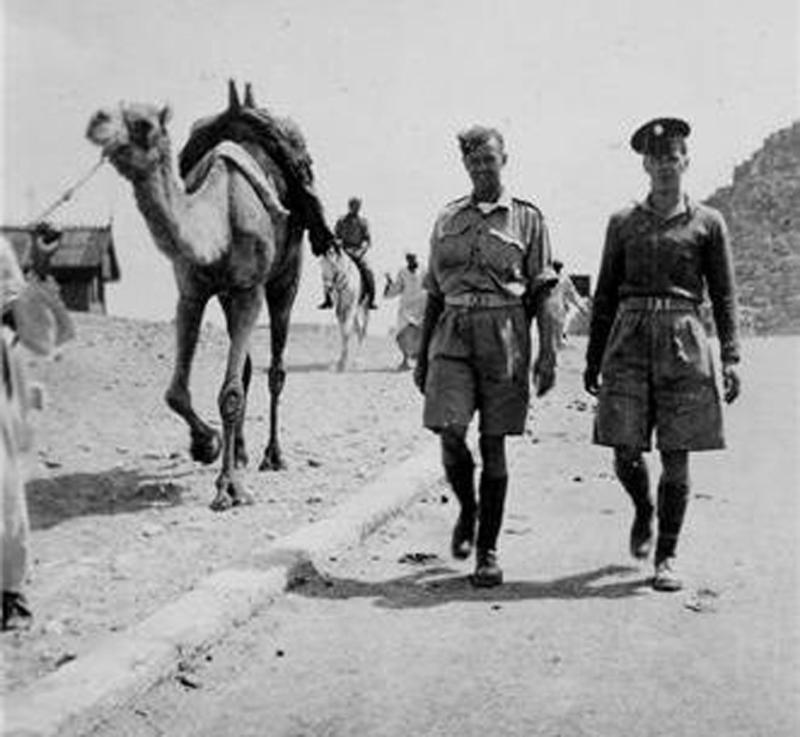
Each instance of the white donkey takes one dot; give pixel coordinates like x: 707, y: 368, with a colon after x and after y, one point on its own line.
x: 342, y: 279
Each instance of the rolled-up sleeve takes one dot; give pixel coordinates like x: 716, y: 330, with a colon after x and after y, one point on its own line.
x: 430, y: 282
x: 540, y: 257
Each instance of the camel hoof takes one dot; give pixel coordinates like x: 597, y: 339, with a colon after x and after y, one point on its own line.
x: 206, y: 448
x: 272, y: 461
x: 243, y: 499
x: 221, y: 503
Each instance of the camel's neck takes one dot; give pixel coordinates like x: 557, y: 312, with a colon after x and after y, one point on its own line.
x: 186, y: 226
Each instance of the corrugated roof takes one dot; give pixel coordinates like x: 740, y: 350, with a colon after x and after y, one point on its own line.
x: 81, y: 247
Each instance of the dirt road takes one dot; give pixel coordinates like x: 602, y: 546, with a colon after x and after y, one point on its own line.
x: 392, y: 640
x: 119, y: 512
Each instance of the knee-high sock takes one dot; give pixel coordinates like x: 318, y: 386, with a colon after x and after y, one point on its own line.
x: 490, y: 514
x: 461, y: 477
x: 635, y: 479
x: 673, y: 498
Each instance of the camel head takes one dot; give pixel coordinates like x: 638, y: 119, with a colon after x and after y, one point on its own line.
x: 133, y: 136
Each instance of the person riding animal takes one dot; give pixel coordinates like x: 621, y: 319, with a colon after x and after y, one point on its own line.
x: 352, y: 234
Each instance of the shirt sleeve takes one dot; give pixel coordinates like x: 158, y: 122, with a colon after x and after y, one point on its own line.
x: 366, y: 238
x: 539, y: 260
x: 606, y: 296
x: 429, y: 281
x: 720, y: 279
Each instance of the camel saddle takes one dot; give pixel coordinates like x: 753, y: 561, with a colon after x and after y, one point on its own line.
x: 280, y: 138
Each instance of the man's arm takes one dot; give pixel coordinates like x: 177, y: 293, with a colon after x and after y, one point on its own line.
x: 604, y: 307
x: 394, y: 287
x: 721, y: 283
x: 541, y: 302
x: 434, y: 306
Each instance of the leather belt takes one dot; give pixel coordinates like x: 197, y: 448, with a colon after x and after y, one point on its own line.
x: 665, y: 304
x: 476, y: 300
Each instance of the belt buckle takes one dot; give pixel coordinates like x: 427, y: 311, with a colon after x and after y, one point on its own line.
x: 476, y: 300
x: 658, y: 303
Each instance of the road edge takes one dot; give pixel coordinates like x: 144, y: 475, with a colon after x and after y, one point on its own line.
x: 78, y: 695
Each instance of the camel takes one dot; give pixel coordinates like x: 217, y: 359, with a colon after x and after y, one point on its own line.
x: 228, y: 235
x: 342, y: 279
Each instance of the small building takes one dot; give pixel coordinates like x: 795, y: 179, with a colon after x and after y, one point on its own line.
x: 83, y: 263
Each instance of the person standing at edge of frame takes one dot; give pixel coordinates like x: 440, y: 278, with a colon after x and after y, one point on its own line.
x: 648, y: 359
x: 489, y: 273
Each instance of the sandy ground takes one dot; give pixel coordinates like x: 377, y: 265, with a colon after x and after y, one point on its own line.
x: 391, y: 640
x: 119, y: 511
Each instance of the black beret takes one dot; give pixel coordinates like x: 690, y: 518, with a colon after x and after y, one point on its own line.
x: 656, y: 135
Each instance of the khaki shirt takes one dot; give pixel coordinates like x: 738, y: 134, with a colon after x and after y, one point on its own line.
x: 500, y: 248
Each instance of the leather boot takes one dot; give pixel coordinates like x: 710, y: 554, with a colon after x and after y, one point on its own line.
x: 636, y: 481
x: 17, y: 613
x: 461, y: 478
x: 492, y: 502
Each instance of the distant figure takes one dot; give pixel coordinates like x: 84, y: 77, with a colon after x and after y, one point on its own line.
x: 649, y: 359
x: 34, y: 318
x: 408, y: 286
x: 567, y: 302
x: 352, y: 233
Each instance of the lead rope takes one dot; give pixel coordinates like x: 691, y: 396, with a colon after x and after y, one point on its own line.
x: 70, y: 191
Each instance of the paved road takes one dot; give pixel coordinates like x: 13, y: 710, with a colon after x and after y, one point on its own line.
x: 391, y: 640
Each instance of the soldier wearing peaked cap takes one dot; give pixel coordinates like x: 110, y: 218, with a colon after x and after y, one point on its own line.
x: 648, y: 359
x: 489, y: 271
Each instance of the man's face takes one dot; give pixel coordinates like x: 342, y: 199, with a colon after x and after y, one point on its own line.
x: 354, y: 206
x: 667, y: 167
x: 484, y: 164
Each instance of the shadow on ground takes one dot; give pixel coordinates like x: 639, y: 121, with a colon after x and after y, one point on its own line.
x: 57, y: 499
x: 437, y: 585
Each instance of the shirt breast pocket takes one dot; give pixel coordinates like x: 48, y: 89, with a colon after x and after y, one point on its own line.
x: 684, y: 266
x: 454, y: 244
x: 505, y: 255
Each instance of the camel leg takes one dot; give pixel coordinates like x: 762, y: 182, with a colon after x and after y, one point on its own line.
x: 279, y: 311
x: 206, y: 444
x: 279, y: 302
x: 242, y: 315
x: 239, y: 447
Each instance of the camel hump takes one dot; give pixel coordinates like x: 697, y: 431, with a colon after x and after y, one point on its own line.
x: 244, y: 162
x: 280, y: 138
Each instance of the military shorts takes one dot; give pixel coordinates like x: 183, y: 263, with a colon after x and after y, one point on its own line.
x: 478, y: 361
x: 658, y: 375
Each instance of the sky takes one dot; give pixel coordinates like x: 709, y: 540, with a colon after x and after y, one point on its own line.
x: 380, y: 90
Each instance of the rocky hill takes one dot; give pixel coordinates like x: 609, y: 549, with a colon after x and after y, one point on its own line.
x: 762, y: 208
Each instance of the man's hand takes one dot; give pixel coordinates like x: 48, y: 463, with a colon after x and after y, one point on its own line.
x: 591, y: 380
x: 731, y: 383
x: 421, y: 374
x: 544, y: 373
